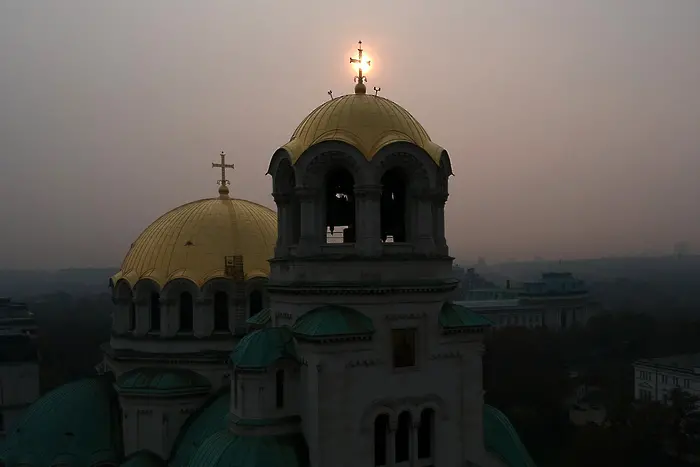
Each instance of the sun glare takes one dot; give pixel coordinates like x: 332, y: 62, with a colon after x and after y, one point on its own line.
x: 366, y: 64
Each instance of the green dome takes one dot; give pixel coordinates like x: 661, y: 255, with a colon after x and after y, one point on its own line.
x: 77, y: 423
x: 144, y: 459
x: 162, y: 381
x: 332, y: 321
x: 454, y: 317
x: 210, y: 418
x: 501, y: 439
x: 263, y: 347
x: 224, y: 449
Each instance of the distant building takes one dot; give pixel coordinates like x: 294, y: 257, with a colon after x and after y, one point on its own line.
x: 656, y: 378
x: 557, y: 301
x: 19, y: 363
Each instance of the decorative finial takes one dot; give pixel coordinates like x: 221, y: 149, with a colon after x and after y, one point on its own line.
x: 376, y: 90
x: 360, y: 79
x: 223, y: 188
x: 330, y: 93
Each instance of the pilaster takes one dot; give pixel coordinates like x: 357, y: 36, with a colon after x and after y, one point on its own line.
x: 368, y: 215
x: 310, y: 239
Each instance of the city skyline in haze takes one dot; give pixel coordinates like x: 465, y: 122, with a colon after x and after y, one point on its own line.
x: 573, y: 127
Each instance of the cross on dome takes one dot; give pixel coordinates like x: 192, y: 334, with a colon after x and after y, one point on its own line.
x: 360, y: 79
x: 223, y: 182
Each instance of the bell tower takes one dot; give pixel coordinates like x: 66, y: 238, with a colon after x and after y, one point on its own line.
x: 361, y: 275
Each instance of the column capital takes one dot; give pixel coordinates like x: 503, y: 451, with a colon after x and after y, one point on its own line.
x: 368, y: 191
x: 282, y: 198
x: 305, y: 193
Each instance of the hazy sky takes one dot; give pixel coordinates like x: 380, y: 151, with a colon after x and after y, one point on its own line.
x: 573, y: 125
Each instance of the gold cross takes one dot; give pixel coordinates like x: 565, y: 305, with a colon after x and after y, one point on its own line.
x: 223, y: 165
x: 359, y: 78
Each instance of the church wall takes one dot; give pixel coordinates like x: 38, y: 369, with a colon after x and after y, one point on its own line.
x: 153, y: 424
x: 259, y: 389
x: 19, y: 387
x: 345, y: 388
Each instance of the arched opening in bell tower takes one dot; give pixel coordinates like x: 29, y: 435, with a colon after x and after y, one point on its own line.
x: 340, y: 207
x: 221, y: 312
x: 255, y: 303
x: 393, y: 206
x: 403, y: 438
x: 381, y: 432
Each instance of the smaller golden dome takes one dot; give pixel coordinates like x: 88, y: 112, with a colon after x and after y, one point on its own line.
x: 192, y: 241
x: 367, y: 122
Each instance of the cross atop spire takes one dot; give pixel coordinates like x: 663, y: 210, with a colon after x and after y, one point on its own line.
x: 223, y: 188
x: 360, y: 79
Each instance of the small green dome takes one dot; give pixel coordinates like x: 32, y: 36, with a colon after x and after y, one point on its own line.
x: 210, y: 418
x: 144, y: 459
x: 454, y: 317
x: 224, y: 449
x: 501, y: 439
x: 332, y: 321
x: 165, y: 381
x: 263, y: 347
x: 77, y: 424
x: 261, y: 319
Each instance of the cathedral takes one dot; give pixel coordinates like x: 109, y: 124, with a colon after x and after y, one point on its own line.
x: 318, y: 335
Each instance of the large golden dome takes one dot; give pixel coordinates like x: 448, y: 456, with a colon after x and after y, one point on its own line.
x: 366, y: 122
x: 191, y: 242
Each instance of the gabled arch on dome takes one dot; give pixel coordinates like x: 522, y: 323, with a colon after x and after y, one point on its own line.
x: 148, y: 306
x: 315, y: 163
x: 219, y: 291
x: 182, y: 294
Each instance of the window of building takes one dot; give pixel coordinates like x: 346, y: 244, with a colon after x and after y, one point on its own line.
x: 255, y: 303
x: 686, y: 383
x: 2, y: 422
x: 664, y: 379
x: 403, y: 343
x: 675, y: 381
x: 402, y: 441
x: 279, y: 388
x: 221, y: 311
x: 155, y: 312
x: 132, y: 316
x: 186, y: 312
x: 426, y: 434
x: 645, y: 394
x: 381, y: 432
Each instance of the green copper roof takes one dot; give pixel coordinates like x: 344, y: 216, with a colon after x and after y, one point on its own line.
x: 77, y: 423
x: 501, y: 439
x: 224, y: 449
x: 260, y: 319
x: 162, y: 381
x: 263, y: 347
x: 332, y: 321
x: 454, y: 316
x: 144, y: 459
x: 210, y: 418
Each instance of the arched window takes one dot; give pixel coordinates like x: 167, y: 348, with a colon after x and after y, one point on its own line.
x: 221, y: 311
x: 155, y: 312
x: 186, y: 312
x: 393, y: 206
x: 381, y: 432
x: 403, y: 435
x: 340, y: 207
x: 279, y: 388
x: 132, y: 315
x: 426, y: 434
x: 255, y: 303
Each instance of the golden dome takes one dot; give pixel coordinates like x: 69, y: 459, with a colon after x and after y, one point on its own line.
x: 192, y: 240
x: 367, y: 122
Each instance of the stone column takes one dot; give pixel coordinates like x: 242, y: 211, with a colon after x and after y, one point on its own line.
x: 284, y: 224
x: 391, y: 443
x: 439, y: 223
x: 309, y: 240
x: 203, y: 317
x: 120, y: 315
x: 367, y: 220
x: 413, y: 442
x: 169, y: 317
x: 423, y: 223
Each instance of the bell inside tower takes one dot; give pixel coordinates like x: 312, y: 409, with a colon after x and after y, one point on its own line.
x: 393, y: 206
x: 340, y: 207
